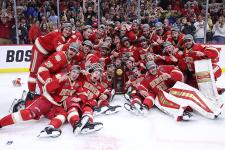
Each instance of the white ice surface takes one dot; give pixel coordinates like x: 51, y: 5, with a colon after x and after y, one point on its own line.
x: 122, y: 131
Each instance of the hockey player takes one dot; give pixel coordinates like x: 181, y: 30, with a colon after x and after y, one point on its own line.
x: 129, y: 49
x: 85, y: 53
x: 56, y: 63
x: 55, y: 93
x: 130, y: 64
x: 52, y: 98
x: 169, y: 55
x: 144, y: 47
x: 108, y: 79
x: 176, y: 38
x: 42, y: 48
x: 155, y: 81
x: 77, y: 105
x: 133, y: 83
x: 192, y: 52
x: 157, y: 38
x: 146, y: 31
x: 98, y: 96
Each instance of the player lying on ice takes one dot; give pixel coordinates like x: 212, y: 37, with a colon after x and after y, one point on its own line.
x: 64, y: 92
x: 177, y: 101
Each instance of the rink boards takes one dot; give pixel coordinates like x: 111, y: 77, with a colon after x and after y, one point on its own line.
x: 16, y: 58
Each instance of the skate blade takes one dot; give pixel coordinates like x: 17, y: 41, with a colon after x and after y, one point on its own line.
x: 87, y: 130
x: 127, y: 97
x: 54, y: 134
x: 110, y: 112
x: 131, y: 109
x: 83, y: 122
x: 103, y: 109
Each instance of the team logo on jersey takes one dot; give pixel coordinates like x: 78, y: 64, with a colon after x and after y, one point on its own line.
x: 57, y: 57
x: 58, y: 76
x: 48, y: 64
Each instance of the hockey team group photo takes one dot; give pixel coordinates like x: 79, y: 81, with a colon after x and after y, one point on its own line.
x: 94, y: 58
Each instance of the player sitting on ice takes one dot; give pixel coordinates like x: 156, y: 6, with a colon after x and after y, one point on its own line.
x: 155, y: 80
x: 98, y: 96
x: 76, y: 107
x: 195, y: 52
x: 132, y: 85
x: 108, y: 79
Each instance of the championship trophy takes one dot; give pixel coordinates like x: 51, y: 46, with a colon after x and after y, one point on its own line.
x: 119, y: 78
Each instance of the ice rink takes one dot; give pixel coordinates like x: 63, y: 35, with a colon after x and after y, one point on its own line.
x: 121, y: 131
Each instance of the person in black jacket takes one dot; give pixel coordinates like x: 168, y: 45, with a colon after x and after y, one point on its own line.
x: 187, y: 27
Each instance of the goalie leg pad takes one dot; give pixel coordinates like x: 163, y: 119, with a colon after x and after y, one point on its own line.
x: 196, y: 100
x: 171, y: 105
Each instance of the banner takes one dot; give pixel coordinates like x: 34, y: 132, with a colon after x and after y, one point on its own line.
x: 15, y: 58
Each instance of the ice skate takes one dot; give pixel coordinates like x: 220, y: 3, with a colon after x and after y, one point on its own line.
x: 131, y: 108
x: 144, y: 110
x: 127, y: 97
x: 79, y: 125
x: 91, y: 127
x: 50, y: 132
x: 112, y: 95
x: 31, y: 96
x: 220, y: 90
x: 113, y: 109
x: 186, y: 116
x: 141, y: 108
x: 99, y: 110
x: 18, y: 104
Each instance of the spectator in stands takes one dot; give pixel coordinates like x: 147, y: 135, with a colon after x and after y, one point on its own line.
x: 53, y: 17
x: 214, y: 9
x: 22, y: 32
x: 199, y: 32
x: 52, y: 26
x: 187, y: 27
x: 6, y: 24
x: 219, y: 31
x: 89, y: 9
x: 44, y: 28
